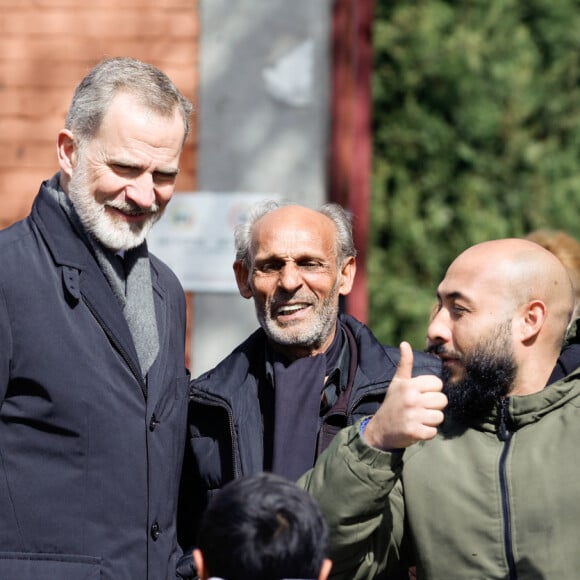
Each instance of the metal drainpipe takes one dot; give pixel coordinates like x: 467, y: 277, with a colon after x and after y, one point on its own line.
x: 351, y: 138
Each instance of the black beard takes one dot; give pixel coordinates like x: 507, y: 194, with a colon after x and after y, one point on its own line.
x: 489, y: 375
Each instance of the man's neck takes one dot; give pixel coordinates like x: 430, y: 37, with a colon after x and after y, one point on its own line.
x: 533, y: 376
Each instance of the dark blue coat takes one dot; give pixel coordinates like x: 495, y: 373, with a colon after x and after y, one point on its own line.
x: 225, y: 424
x: 89, y: 466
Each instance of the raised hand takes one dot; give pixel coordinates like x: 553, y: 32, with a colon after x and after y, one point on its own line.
x: 412, y: 409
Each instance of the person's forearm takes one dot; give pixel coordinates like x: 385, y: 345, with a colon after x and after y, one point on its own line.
x: 352, y: 481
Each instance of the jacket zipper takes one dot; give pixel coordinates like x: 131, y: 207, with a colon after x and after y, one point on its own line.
x: 505, y: 435
x: 211, y: 403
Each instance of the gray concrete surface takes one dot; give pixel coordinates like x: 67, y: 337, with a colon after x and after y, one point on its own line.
x: 263, y: 127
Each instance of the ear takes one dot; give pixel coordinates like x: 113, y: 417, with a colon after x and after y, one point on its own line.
x: 200, y: 565
x: 325, y: 569
x: 347, y: 273
x: 66, y: 151
x: 532, y: 320
x: 242, y: 279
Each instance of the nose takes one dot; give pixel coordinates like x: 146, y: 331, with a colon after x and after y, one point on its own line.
x: 290, y: 278
x: 439, y: 330
x: 141, y: 191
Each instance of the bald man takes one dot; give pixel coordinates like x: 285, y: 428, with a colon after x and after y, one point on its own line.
x: 474, y: 475
x: 278, y: 399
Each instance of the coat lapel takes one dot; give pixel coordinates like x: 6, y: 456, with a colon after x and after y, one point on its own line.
x: 159, y: 364
x: 105, y: 307
x: 69, y: 250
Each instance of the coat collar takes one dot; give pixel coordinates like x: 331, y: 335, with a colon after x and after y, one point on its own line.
x: 518, y: 411
x: 82, y: 275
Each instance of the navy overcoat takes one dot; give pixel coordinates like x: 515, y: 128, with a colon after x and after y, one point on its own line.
x: 89, y: 463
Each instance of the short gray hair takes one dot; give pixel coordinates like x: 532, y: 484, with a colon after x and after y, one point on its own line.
x: 111, y: 76
x: 337, y: 214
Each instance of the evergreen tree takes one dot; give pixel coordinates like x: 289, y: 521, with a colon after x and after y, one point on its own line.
x: 476, y: 136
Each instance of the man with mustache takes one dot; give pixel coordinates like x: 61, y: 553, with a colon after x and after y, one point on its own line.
x: 93, y: 383
x: 473, y: 475
x: 278, y: 399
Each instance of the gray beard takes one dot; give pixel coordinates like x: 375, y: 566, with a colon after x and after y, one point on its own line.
x: 94, y: 218
x: 313, y: 336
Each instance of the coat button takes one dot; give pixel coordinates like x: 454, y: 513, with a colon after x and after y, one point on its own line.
x: 155, y: 531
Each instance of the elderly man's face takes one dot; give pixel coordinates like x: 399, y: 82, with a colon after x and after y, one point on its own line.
x: 295, y: 280
x: 123, y: 178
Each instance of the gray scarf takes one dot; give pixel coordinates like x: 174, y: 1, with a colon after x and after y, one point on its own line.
x: 130, y: 280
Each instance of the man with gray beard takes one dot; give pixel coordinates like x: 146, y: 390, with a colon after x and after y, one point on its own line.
x: 92, y: 328
x: 281, y: 396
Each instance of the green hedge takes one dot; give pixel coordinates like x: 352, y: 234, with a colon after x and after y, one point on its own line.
x: 476, y: 129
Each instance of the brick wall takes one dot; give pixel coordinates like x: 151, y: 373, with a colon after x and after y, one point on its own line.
x: 47, y: 46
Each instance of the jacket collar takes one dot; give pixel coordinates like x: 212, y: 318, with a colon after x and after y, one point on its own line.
x: 81, y: 272
x: 65, y: 243
x: 517, y: 411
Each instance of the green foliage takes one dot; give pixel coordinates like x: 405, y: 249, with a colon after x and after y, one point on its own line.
x: 476, y: 136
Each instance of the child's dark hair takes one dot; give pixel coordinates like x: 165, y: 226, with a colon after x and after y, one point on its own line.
x: 263, y: 527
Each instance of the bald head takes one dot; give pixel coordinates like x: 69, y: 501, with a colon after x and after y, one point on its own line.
x: 517, y: 272
x: 503, y: 310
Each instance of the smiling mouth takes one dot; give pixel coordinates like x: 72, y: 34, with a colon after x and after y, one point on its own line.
x: 290, y: 309
x: 132, y: 215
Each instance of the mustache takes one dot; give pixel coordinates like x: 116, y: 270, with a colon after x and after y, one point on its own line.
x: 440, y: 350
x: 282, y: 298
x: 133, y: 209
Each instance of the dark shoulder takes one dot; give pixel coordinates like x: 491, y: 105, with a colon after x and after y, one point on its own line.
x: 243, y: 360
x: 423, y: 363
x: 15, y: 233
x: 373, y: 353
x: 568, y: 361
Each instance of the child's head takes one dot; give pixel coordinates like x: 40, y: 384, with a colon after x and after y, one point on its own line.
x: 262, y: 527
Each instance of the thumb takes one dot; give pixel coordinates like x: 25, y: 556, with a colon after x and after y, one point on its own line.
x: 405, y: 366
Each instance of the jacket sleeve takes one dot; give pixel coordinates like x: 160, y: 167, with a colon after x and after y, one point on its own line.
x: 359, y: 490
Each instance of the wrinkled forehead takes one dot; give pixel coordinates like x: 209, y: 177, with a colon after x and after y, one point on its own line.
x: 290, y: 231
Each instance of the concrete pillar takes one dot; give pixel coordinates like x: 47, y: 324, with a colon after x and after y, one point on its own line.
x: 263, y: 127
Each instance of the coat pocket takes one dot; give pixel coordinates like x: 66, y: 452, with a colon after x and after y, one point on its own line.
x: 208, y: 462
x: 24, y: 566
x: 210, y: 438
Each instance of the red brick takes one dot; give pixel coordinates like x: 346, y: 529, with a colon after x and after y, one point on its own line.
x: 47, y: 46
x: 39, y: 156
x: 17, y: 190
x: 128, y: 23
x: 34, y: 5
x: 39, y: 73
x: 24, y: 101
x: 74, y: 48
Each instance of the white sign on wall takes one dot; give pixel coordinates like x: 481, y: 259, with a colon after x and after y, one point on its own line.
x: 195, y: 237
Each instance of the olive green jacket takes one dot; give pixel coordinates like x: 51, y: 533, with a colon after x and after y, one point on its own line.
x: 497, y: 500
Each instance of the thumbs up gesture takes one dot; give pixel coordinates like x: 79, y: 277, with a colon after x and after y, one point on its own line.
x: 412, y: 409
